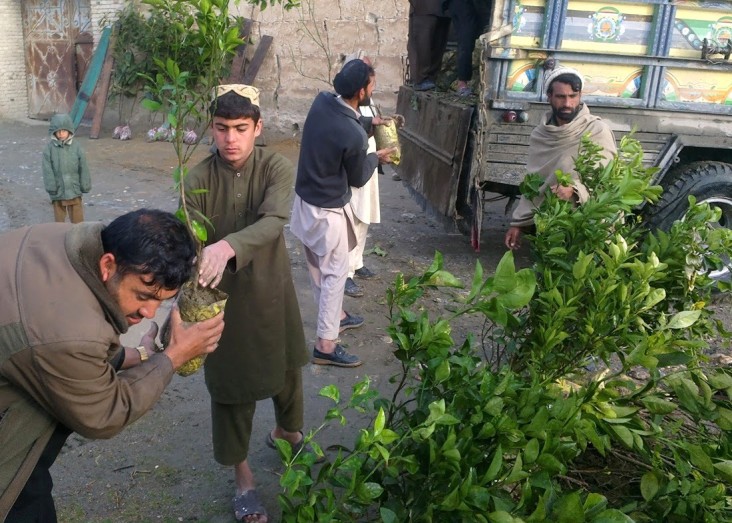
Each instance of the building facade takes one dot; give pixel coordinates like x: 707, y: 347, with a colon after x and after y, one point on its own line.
x: 45, y: 46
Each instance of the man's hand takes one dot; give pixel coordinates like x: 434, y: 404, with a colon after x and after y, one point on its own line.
x: 148, y: 339
x: 563, y: 192
x: 213, y: 263
x: 188, y: 340
x: 385, y: 154
x: 132, y: 356
x: 378, y: 120
x: 513, y: 238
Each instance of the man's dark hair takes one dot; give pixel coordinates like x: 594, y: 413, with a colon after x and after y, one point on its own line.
x: 149, y: 241
x: 233, y: 106
x: 569, y: 79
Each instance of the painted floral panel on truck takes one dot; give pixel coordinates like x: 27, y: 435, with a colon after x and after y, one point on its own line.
x: 693, y: 25
x: 528, y: 23
x: 688, y: 85
x: 618, y: 28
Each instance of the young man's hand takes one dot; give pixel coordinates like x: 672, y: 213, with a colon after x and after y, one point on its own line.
x: 213, y: 263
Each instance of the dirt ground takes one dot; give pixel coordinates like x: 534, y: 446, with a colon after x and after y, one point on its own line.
x: 161, y: 468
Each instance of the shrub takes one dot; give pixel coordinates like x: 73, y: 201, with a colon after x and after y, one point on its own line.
x: 546, y: 422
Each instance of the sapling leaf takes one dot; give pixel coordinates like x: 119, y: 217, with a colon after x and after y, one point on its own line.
x: 724, y: 469
x: 379, y: 422
x: 151, y: 105
x: 683, y: 319
x: 199, y: 230
x: 387, y: 515
x: 612, y: 516
x: 568, y: 508
x: 331, y: 392
x: 656, y: 405
x: 500, y: 516
x: 699, y: 458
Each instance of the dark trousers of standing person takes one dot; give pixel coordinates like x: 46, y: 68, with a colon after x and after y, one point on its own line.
x: 425, y: 46
x: 467, y: 22
x: 35, y: 502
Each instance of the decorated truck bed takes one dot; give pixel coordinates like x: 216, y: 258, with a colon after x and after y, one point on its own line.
x: 656, y: 67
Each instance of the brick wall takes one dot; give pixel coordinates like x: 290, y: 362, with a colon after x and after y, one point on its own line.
x: 101, y: 10
x: 13, y: 89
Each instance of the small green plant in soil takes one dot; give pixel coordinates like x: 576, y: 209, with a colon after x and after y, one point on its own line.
x: 585, y: 397
x: 201, y: 38
x: 175, y: 53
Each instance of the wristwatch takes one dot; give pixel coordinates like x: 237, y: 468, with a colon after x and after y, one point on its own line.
x: 143, y: 352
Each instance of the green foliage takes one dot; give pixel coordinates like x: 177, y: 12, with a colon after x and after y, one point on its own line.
x: 142, y: 35
x: 548, y: 424
x: 176, y: 54
x: 188, y: 48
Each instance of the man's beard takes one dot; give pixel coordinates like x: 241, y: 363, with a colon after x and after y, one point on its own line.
x: 566, y: 117
x: 113, y: 285
x: 364, y: 102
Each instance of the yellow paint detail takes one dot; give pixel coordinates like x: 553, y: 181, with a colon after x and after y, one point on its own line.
x: 533, y: 3
x: 707, y: 15
x: 626, y: 9
x: 604, y: 47
x: 524, y: 41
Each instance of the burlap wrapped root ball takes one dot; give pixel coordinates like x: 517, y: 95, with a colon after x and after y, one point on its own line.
x: 386, y: 136
x: 195, y: 304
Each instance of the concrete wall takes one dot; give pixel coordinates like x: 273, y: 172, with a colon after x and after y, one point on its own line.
x: 13, y: 89
x: 320, y: 33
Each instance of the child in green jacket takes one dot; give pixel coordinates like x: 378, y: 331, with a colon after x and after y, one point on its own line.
x: 65, y: 172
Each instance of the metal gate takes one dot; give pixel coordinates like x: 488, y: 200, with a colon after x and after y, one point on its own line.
x: 58, y: 41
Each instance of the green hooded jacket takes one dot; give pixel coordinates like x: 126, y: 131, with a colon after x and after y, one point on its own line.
x: 65, y: 172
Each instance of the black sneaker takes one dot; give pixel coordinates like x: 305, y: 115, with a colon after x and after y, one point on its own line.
x: 424, y: 85
x: 339, y: 357
x: 353, y: 289
x: 365, y: 274
x: 351, y: 321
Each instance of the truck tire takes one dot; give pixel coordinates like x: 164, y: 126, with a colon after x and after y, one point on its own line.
x: 709, y: 182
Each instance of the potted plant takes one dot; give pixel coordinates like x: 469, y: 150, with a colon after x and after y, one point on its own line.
x: 202, y: 38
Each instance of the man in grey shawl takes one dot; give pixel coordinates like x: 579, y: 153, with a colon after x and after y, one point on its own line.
x: 554, y: 144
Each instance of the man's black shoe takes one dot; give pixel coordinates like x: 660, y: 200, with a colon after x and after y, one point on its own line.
x: 425, y: 85
x: 365, y: 274
x: 351, y: 321
x: 339, y: 357
x: 353, y: 289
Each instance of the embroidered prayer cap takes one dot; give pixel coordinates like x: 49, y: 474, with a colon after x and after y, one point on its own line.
x: 561, y: 71
x: 247, y: 91
x: 353, y: 76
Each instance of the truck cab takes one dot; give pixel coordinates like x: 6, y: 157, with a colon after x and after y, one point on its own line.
x: 658, y: 68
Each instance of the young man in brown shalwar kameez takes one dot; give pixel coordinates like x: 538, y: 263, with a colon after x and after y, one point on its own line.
x: 247, y: 198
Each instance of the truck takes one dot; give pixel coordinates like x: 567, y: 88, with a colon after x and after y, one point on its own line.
x: 658, y: 68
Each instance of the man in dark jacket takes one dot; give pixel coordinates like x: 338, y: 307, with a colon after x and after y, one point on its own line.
x: 69, y: 291
x: 333, y: 158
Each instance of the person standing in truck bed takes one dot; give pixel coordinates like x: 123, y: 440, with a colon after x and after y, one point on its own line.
x: 429, y: 25
x: 554, y: 144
